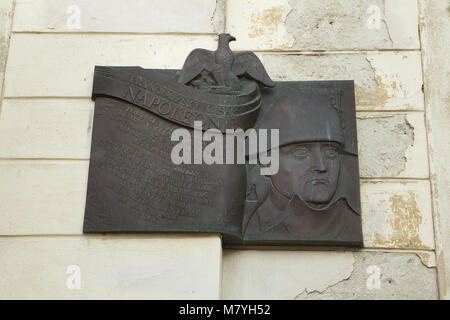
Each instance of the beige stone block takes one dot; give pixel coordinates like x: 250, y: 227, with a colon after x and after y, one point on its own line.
x: 140, y: 16
x: 397, y: 214
x: 323, y: 25
x: 383, y: 276
x: 42, y: 197
x: 62, y: 65
x: 392, y: 145
x: 257, y: 274
x: 399, y: 75
x: 383, y: 80
x: 46, y: 128
x: 259, y: 25
x: 111, y: 267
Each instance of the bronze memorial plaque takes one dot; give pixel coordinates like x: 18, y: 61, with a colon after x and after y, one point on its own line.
x: 218, y: 147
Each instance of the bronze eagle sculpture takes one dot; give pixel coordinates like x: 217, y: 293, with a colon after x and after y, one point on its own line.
x: 224, y: 65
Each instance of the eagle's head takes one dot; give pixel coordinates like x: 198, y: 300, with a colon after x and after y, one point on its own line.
x: 226, y: 37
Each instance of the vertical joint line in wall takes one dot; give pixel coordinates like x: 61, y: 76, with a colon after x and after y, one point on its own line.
x: 225, y: 15
x: 420, y: 39
x: 2, y: 93
x: 425, y: 100
x: 387, y: 27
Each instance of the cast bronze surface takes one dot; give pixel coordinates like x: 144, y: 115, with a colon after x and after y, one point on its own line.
x: 134, y: 186
x: 224, y: 66
x: 314, y: 198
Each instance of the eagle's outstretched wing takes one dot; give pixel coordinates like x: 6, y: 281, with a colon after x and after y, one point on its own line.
x: 248, y: 62
x: 197, y: 61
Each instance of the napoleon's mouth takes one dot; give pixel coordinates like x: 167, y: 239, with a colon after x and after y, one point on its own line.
x: 315, y: 182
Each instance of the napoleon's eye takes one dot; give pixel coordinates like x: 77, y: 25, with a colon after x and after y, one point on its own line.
x: 330, y: 152
x: 301, y: 153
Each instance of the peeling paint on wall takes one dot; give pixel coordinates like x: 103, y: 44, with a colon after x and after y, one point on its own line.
x: 392, y: 87
x: 401, y: 276
x: 259, y: 25
x: 268, y: 274
x: 383, y: 80
x: 428, y: 259
x: 268, y: 24
x: 383, y: 144
x: 327, y: 24
x: 405, y: 221
x: 397, y: 215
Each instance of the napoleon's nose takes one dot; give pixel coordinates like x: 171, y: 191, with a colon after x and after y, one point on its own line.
x: 319, y: 163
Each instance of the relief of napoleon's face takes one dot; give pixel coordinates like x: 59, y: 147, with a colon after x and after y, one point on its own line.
x: 310, y: 171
